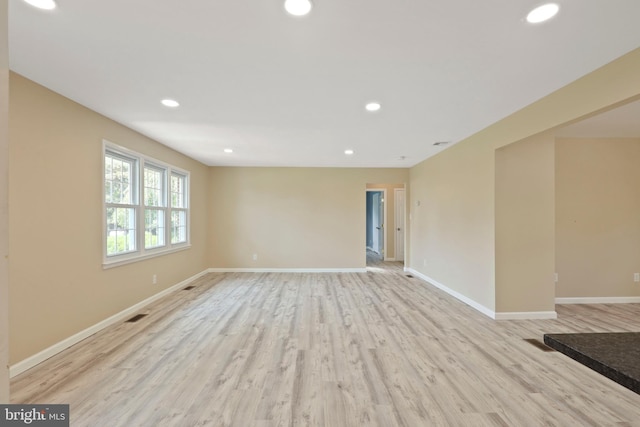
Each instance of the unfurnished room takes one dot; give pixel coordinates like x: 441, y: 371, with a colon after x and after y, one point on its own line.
x: 319, y: 213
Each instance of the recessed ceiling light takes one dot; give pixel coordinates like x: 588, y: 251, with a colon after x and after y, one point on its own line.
x: 170, y: 103
x: 228, y: 150
x: 373, y: 106
x: 348, y: 152
x: 543, y: 13
x: 42, y: 4
x: 298, y: 7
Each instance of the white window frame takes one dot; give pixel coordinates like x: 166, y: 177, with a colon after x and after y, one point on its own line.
x: 141, y: 252
x: 163, y: 205
x: 184, y: 208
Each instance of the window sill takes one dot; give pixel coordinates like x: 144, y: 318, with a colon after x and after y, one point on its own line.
x: 131, y: 259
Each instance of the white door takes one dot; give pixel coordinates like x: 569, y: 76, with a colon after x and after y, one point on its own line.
x: 399, y: 216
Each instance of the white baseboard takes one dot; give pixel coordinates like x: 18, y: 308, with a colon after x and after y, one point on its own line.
x: 481, y: 308
x: 389, y: 259
x: 45, y: 354
x: 599, y: 300
x: 526, y: 315
x: 532, y: 315
x: 287, y: 270
x: 40, y: 357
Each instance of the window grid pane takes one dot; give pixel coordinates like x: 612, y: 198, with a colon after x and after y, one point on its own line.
x: 154, y: 227
x: 178, y: 226
x: 121, y: 230
x: 118, y: 178
x: 153, y: 186
x: 178, y: 190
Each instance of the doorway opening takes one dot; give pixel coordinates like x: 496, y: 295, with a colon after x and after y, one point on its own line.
x: 376, y: 219
x: 385, y: 224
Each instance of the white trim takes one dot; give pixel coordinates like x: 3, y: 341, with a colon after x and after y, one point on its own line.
x: 45, y: 354
x: 481, y: 308
x: 149, y: 255
x: 287, y: 270
x: 389, y: 259
x: 143, y: 161
x: 599, y: 300
x: 526, y: 315
x: 404, y: 221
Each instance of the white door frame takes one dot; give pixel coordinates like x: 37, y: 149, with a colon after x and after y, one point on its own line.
x: 384, y: 219
x: 403, y: 209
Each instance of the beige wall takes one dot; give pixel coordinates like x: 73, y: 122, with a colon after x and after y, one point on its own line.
x: 58, y: 286
x: 291, y: 217
x: 598, y: 225
x: 4, y: 209
x: 452, y: 217
x: 524, y: 226
x: 452, y: 237
x: 390, y: 208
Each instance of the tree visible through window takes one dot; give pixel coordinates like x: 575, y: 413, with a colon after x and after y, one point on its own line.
x: 178, y: 208
x: 151, y: 224
x: 120, y: 199
x: 154, y: 202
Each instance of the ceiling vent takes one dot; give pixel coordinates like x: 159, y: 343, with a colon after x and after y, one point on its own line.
x: 441, y: 143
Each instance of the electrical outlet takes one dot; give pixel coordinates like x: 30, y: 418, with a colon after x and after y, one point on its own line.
x: 636, y: 277
x: 424, y: 262
x: 154, y: 279
x: 555, y: 277
x: 255, y: 257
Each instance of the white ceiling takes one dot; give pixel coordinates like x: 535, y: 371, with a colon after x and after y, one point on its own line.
x: 285, y: 91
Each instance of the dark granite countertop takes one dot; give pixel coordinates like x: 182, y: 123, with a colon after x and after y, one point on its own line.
x: 615, y: 355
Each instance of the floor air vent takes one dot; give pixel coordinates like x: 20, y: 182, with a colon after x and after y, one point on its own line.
x: 136, y: 318
x: 537, y: 343
x: 409, y: 276
x: 188, y: 288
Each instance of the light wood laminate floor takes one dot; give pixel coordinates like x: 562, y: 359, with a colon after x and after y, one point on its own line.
x: 366, y: 349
